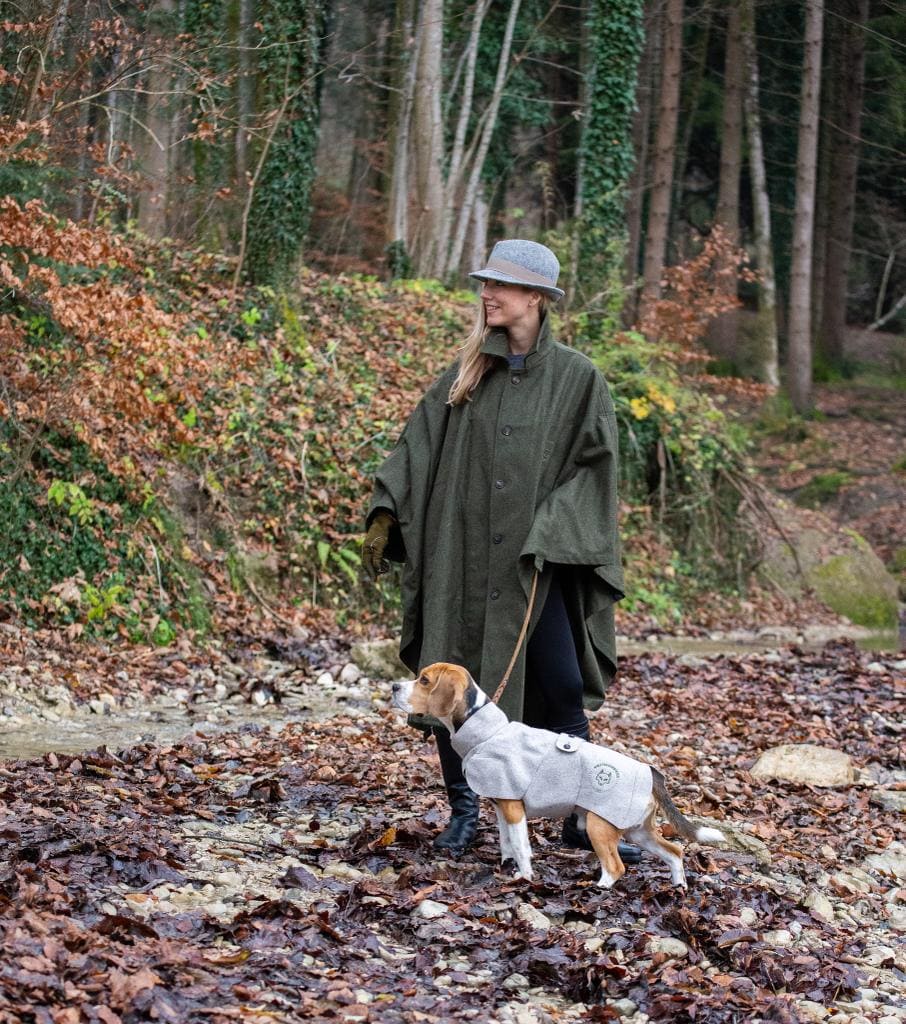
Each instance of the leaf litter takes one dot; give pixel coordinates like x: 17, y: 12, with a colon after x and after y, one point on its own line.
x: 285, y: 876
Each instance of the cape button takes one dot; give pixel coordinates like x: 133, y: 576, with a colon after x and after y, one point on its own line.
x: 568, y: 744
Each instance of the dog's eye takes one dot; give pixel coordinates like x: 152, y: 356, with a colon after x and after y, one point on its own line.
x: 422, y: 680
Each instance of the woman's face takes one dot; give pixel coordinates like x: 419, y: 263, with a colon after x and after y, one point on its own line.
x: 509, y: 305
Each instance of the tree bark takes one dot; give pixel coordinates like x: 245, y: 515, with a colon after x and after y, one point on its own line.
x: 766, y: 328
x: 799, y: 339
x: 400, y: 125
x: 489, y: 118
x: 245, y: 92
x: 155, y: 145
x: 455, y: 169
x: 641, y: 137
x: 727, y: 212
x: 664, y: 155
x: 845, y: 165
x: 429, y: 140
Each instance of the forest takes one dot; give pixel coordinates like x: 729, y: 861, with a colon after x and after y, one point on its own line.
x: 235, y: 240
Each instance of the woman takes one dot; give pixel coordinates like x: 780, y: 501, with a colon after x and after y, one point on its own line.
x: 507, y: 465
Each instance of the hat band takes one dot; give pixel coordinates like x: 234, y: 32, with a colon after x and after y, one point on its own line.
x: 514, y: 270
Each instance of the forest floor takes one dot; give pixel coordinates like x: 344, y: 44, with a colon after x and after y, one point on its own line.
x: 243, y: 832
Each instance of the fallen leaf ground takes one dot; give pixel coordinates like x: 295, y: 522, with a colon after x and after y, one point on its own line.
x: 287, y: 877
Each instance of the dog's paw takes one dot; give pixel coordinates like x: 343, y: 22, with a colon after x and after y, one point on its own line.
x: 523, y: 876
x: 606, y: 881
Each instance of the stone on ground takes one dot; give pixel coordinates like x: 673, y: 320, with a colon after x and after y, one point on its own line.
x: 807, y: 764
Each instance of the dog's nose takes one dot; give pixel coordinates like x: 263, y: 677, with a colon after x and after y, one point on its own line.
x: 396, y: 687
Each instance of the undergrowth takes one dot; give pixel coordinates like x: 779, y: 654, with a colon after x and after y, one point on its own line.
x: 170, y: 441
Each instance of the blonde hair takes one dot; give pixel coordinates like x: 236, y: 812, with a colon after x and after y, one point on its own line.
x: 473, y: 363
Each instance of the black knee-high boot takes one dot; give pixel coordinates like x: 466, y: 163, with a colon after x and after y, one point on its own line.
x: 460, y: 832
x: 577, y: 838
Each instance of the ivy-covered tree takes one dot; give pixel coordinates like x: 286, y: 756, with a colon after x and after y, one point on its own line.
x: 615, y: 38
x: 277, y: 206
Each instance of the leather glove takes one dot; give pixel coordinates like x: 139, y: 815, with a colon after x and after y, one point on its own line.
x: 374, y: 544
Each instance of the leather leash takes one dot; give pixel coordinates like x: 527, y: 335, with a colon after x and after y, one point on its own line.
x: 498, y: 693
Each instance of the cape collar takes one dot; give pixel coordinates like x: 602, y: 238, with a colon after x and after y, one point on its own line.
x: 478, y: 727
x: 496, y: 344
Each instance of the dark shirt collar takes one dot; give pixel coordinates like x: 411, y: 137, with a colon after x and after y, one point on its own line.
x: 497, y: 344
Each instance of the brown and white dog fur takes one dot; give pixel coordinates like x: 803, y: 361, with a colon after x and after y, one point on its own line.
x: 448, y: 693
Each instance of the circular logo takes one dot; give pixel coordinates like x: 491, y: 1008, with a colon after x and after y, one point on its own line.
x: 604, y: 776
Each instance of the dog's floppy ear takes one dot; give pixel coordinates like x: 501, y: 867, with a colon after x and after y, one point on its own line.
x: 449, y: 684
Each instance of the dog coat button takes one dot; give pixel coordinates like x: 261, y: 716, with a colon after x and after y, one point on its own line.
x: 497, y: 538
x: 568, y: 744
x: 495, y: 594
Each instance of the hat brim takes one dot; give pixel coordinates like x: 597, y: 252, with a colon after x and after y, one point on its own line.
x: 495, y: 275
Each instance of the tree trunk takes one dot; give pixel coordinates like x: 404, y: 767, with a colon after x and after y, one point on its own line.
x: 641, y: 136
x: 489, y: 118
x: 845, y: 165
x: 245, y: 92
x: 455, y: 169
x: 766, y: 328
x: 700, y: 72
x: 615, y: 41
x: 155, y: 146
x: 428, y: 140
x: 727, y: 212
x: 799, y: 340
x: 400, y: 124
x: 664, y: 154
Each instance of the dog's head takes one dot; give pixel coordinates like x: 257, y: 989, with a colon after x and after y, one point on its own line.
x: 443, y: 691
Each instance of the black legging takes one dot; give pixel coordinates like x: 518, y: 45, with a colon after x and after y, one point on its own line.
x: 553, y: 682
x: 553, y: 679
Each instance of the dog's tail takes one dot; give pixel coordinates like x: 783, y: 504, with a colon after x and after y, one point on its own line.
x: 684, y: 827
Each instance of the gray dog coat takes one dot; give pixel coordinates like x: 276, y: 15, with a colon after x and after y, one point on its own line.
x: 551, y: 774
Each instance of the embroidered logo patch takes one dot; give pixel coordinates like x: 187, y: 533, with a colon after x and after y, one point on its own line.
x: 604, y: 776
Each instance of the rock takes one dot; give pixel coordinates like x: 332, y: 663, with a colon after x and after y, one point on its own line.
x: 838, y: 564
x: 533, y: 917
x: 351, y: 673
x: 380, y: 659
x: 675, y: 948
x: 853, y: 880
x: 736, y: 839
x: 891, y: 862
x: 340, y: 869
x: 429, y: 910
x: 779, y: 938
x: 819, y: 904
x: 624, y: 1007
x: 809, y: 1011
x: 889, y: 799
x: 748, y: 917
x: 516, y: 983
x: 324, y: 679
x: 807, y: 764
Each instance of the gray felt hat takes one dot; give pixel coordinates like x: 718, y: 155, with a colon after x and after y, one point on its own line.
x: 517, y: 261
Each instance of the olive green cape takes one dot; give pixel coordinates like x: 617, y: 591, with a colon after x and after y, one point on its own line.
x: 523, y: 475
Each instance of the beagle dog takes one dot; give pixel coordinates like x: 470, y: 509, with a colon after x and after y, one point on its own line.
x: 533, y: 773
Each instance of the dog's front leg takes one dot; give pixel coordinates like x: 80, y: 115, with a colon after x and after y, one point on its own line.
x: 514, y: 839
